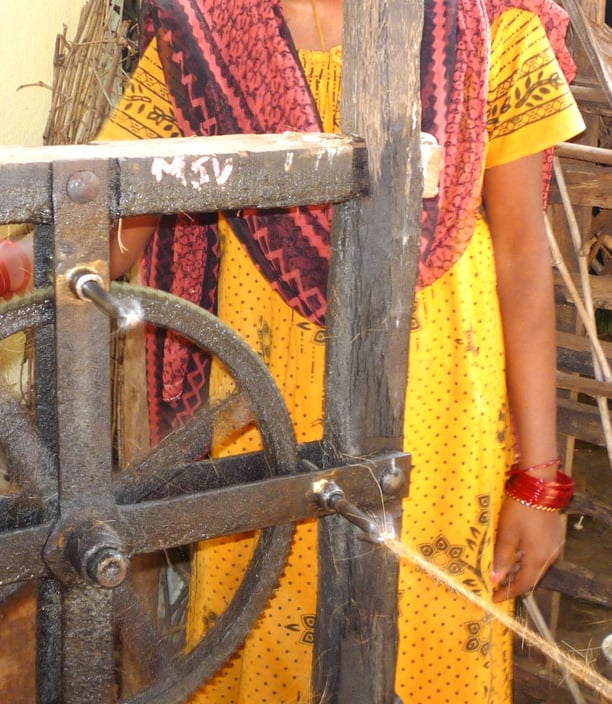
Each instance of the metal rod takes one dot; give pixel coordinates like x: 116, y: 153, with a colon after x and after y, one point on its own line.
x: 330, y: 496
x: 88, y: 286
x: 540, y: 623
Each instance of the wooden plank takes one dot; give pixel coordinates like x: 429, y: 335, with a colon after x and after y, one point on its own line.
x: 203, y: 173
x: 534, y: 679
x: 596, y: 43
x: 591, y: 99
x: 193, y: 174
x: 586, y: 505
x: 588, y: 184
x: 580, y: 344
x: 584, y: 385
x: 594, y: 10
x: 574, y: 353
x: 375, y: 246
x: 584, y: 152
x: 601, y: 290
x: 579, y: 583
x: 580, y: 420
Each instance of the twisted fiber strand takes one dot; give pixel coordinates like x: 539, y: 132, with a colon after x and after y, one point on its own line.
x: 568, y: 663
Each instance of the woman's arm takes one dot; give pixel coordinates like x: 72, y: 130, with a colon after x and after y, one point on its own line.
x: 127, y: 244
x: 528, y: 538
x: 128, y: 241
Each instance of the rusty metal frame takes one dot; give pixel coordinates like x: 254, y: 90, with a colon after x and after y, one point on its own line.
x: 73, y: 194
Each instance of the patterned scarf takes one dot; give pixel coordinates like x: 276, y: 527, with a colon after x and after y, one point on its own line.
x: 231, y: 67
x: 455, y: 56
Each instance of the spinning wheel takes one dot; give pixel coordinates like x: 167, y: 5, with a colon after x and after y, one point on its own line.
x: 85, y: 547
x: 74, y: 525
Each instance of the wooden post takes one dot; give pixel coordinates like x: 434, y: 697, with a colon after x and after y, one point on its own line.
x: 374, y: 263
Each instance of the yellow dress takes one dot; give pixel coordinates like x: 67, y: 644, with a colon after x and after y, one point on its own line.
x: 457, y: 422
x: 457, y: 425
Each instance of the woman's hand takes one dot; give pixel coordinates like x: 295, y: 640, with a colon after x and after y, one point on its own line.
x: 15, y: 266
x: 528, y: 541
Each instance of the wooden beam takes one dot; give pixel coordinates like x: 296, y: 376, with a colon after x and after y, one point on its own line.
x: 580, y: 420
x: 586, y: 505
x: 595, y: 42
x: 591, y: 99
x: 589, y: 184
x: 579, y: 583
x: 194, y: 174
x: 534, y: 678
x: 601, y: 291
x: 584, y: 385
x: 584, y: 152
x: 375, y: 246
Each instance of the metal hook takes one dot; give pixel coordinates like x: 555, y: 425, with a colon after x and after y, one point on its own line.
x: 88, y: 286
x: 330, y: 496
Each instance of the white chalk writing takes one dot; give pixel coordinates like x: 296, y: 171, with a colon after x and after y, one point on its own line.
x: 205, y: 169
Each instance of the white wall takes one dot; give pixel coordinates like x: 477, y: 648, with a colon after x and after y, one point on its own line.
x: 26, y: 56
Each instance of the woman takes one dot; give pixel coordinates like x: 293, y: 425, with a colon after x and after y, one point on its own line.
x: 495, y: 97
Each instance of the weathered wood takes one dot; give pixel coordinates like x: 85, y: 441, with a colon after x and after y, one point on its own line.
x: 375, y: 245
x: 584, y: 152
x: 587, y: 505
x: 574, y: 353
x: 573, y: 362
x: 535, y: 678
x: 594, y: 10
x: 580, y: 420
x: 131, y: 423
x: 595, y: 42
x: 579, y: 583
x: 601, y: 291
x: 584, y: 385
x: 588, y: 184
x: 193, y: 174
x: 591, y: 99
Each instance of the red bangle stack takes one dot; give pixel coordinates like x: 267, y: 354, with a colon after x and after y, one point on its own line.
x: 538, y: 493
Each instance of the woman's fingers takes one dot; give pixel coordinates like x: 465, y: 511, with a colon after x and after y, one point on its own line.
x: 528, y: 542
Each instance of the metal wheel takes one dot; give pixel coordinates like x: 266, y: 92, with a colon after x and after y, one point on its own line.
x: 169, y: 473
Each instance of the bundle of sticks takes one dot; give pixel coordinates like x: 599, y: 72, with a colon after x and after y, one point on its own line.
x: 90, y: 70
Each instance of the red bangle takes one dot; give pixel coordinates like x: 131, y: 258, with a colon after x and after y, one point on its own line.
x: 540, y: 494
x: 515, y: 469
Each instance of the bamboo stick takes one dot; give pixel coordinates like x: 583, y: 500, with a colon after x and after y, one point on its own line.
x: 585, y: 311
x: 584, y: 152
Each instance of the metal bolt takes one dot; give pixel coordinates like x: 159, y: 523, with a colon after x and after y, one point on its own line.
x: 107, y: 567
x: 83, y: 187
x: 392, y: 479
x: 98, y: 554
x: 330, y: 496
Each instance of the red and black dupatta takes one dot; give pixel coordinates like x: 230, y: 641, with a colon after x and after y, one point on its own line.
x: 455, y: 55
x: 231, y: 67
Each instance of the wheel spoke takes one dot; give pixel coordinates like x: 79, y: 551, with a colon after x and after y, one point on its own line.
x: 21, y: 554
x: 155, y: 474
